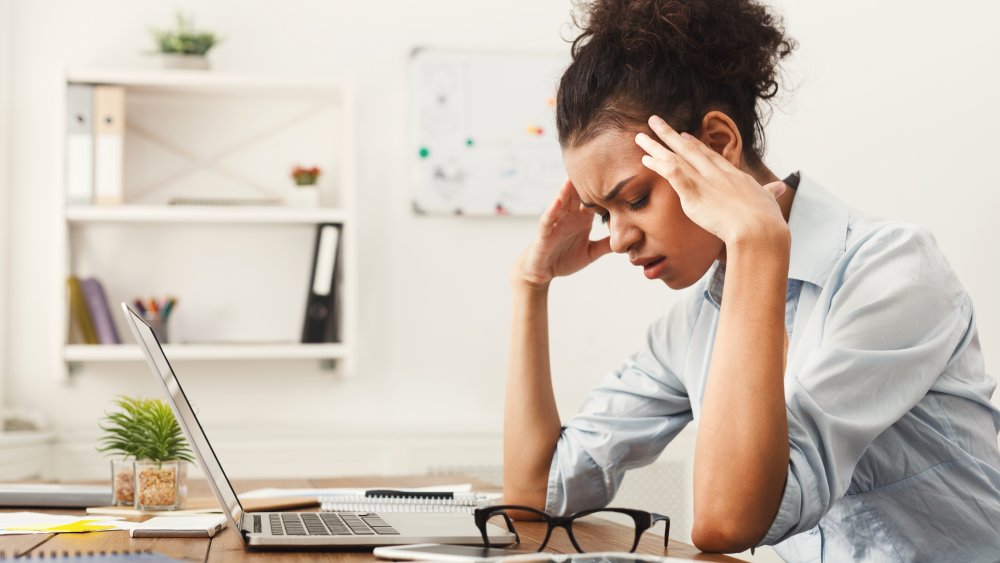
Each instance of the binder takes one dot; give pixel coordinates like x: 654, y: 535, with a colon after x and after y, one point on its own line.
x: 79, y: 144
x: 100, y: 313
x: 81, y: 327
x: 109, y: 144
x: 322, y: 315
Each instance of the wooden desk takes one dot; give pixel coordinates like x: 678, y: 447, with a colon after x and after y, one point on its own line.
x: 227, y: 545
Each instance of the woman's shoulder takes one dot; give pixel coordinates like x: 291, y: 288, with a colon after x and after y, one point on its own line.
x: 895, y: 250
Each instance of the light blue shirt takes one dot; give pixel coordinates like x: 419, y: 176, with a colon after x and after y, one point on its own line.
x: 892, y: 436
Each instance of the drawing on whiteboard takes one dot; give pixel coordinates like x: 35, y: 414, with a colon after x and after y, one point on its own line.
x: 483, y: 132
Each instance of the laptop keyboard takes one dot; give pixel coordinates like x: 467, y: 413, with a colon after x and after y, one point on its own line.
x: 328, y: 524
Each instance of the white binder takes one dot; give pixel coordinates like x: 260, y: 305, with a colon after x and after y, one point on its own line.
x: 79, y: 144
x: 109, y: 144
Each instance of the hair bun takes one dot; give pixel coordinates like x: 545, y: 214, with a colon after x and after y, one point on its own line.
x: 738, y: 43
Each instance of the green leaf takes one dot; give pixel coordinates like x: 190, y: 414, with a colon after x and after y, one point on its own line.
x: 183, y: 39
x: 143, y: 429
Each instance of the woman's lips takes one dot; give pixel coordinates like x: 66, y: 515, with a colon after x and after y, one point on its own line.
x: 654, y: 269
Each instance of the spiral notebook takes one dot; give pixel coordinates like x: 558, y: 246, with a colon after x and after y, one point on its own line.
x: 393, y: 500
x: 91, y: 556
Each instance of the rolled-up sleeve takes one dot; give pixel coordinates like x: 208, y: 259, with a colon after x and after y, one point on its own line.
x: 893, y: 316
x: 624, y: 423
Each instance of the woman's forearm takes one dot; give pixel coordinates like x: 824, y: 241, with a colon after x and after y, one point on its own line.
x: 531, y: 420
x: 741, y: 456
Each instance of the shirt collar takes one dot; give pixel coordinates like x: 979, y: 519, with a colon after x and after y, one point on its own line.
x: 818, y: 223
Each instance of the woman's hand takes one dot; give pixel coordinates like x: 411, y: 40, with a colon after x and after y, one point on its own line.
x: 563, y: 245
x: 718, y: 196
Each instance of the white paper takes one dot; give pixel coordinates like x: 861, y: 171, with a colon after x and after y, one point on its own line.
x: 18, y: 519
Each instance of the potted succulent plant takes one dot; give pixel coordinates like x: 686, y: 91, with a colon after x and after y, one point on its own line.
x: 184, y: 47
x: 305, y: 193
x: 152, y: 451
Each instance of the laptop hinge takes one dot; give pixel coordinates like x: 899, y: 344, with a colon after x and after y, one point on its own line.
x: 244, y: 532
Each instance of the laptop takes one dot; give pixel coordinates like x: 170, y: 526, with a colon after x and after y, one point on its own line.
x: 309, y: 530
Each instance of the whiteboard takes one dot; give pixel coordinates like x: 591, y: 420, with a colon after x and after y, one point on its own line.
x: 483, y: 133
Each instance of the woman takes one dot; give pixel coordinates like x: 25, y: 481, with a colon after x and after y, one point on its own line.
x: 842, y: 404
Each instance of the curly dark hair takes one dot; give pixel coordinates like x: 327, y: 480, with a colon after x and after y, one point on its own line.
x: 677, y: 59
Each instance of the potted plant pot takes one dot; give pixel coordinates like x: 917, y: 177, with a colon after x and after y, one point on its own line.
x: 184, y: 61
x: 122, y: 482
x: 158, y: 484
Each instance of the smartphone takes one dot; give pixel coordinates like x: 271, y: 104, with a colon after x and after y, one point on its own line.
x: 439, y: 552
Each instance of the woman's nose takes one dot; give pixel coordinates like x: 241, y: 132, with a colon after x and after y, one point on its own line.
x: 623, y: 235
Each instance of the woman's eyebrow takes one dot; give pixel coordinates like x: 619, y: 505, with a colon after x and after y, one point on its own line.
x: 613, y: 193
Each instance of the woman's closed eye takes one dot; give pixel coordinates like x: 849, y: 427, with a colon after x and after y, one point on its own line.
x: 639, y: 203
x: 632, y: 205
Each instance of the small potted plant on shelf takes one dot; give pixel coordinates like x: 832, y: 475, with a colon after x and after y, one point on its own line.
x: 184, y: 47
x: 305, y: 193
x: 150, y: 471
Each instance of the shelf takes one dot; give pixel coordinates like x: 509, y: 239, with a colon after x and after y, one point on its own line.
x: 201, y: 214
x: 189, y: 132
x: 201, y: 80
x: 253, y: 351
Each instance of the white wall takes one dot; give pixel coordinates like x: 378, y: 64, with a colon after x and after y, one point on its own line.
x: 894, y: 113
x: 6, y: 60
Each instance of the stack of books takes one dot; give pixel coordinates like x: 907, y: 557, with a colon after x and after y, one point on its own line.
x: 91, y: 320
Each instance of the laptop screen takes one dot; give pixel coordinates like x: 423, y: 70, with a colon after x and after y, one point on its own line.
x: 185, y: 415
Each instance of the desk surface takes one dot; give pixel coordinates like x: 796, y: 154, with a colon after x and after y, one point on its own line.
x: 227, y: 545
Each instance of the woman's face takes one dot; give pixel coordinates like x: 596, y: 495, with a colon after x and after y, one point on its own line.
x: 641, y: 210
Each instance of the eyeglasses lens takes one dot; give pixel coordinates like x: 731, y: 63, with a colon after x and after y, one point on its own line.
x: 591, y: 531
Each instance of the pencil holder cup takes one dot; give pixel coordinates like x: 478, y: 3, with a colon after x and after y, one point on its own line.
x: 159, y: 326
x: 122, y: 482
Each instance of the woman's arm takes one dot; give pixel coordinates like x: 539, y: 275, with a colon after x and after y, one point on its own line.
x: 531, y: 420
x: 742, y: 452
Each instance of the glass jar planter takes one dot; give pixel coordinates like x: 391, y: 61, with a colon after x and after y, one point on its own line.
x: 159, y: 484
x: 122, y: 482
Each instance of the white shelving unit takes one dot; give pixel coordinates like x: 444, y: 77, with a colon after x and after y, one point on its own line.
x: 240, y: 273
x: 209, y: 352
x: 83, y: 214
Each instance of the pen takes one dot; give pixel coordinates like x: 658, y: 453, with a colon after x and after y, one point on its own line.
x: 138, y: 305
x: 169, y: 306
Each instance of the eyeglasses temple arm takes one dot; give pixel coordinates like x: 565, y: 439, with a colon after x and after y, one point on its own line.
x: 511, y: 528
x: 666, y: 531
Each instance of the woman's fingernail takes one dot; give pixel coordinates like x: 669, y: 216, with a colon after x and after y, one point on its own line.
x: 686, y: 136
x: 646, y: 160
x: 656, y: 120
x: 640, y: 137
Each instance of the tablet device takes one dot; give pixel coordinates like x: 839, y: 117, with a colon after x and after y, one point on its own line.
x: 438, y: 552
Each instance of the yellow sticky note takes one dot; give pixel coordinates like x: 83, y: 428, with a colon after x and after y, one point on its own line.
x: 72, y: 527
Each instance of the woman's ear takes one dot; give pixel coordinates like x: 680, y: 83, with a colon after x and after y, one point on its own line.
x: 720, y: 132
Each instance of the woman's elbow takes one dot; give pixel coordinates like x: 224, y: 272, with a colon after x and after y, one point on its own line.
x: 723, y: 535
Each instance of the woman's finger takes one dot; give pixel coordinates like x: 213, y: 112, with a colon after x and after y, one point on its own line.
x: 598, y: 248
x: 652, y: 147
x: 776, y: 188
x: 676, y: 170
x: 548, y: 218
x: 687, y: 148
x: 716, y: 158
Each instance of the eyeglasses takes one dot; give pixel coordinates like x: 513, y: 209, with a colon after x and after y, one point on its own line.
x: 576, y: 524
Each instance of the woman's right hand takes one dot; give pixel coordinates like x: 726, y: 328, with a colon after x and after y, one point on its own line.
x: 563, y: 245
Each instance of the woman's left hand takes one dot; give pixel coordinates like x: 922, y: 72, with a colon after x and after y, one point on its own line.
x: 719, y: 197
